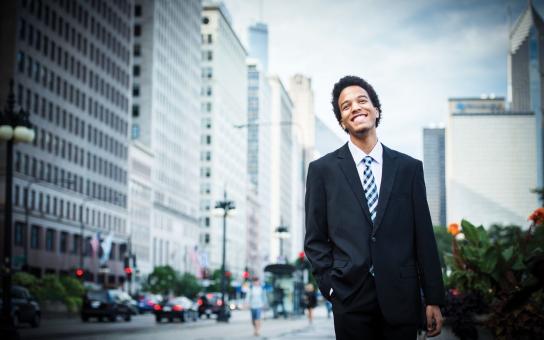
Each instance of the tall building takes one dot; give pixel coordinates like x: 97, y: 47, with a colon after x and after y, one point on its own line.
x: 70, y: 62
x: 526, y: 76
x: 434, y: 168
x: 490, y: 162
x: 258, y: 165
x: 224, y: 147
x: 166, y: 119
x: 282, y: 175
x: 303, y: 121
x: 325, y: 139
x: 258, y: 44
x: 140, y: 205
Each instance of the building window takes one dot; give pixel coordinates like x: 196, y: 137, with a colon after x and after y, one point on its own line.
x: 63, y: 242
x: 138, y: 11
x: 135, y: 131
x: 135, y: 111
x: 50, y: 240
x: 137, y: 30
x: 136, y: 90
x: 137, y: 50
x: 35, y: 237
x: 18, y: 237
x: 136, y: 70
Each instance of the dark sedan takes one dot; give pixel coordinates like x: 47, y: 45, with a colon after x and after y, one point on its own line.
x: 180, y: 308
x: 24, y: 307
x: 106, y: 303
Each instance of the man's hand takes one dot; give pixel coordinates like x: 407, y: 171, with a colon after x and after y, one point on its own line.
x: 434, y: 320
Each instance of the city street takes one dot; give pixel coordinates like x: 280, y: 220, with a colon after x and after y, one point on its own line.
x: 144, y: 327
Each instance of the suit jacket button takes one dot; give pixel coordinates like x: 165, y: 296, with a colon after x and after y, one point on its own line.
x: 373, y: 239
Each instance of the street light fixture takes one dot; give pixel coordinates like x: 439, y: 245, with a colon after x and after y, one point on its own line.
x: 282, y: 233
x: 225, y: 206
x: 15, y: 127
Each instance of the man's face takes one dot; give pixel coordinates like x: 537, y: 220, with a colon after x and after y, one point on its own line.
x: 358, y: 114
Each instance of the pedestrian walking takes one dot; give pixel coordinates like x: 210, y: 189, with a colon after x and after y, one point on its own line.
x: 256, y: 299
x: 310, y: 300
x: 369, y: 236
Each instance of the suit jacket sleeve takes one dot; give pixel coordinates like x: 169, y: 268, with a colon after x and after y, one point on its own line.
x: 317, y: 246
x: 427, y: 253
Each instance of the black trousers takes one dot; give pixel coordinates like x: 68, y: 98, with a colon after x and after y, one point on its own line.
x: 360, y: 317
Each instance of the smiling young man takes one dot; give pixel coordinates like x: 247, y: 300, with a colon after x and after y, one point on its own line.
x: 369, y: 235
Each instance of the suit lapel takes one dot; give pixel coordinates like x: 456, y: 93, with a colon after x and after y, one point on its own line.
x: 347, y: 164
x: 389, y: 170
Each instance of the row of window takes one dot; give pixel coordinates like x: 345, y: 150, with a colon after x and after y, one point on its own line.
x: 71, y: 123
x: 45, y: 171
x: 49, y: 48
x: 60, y: 147
x: 62, y: 242
x: 59, y: 24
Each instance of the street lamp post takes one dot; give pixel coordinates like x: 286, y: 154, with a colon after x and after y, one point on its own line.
x: 15, y: 127
x: 225, y: 205
x: 282, y: 232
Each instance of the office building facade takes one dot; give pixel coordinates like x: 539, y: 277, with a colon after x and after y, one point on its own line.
x: 166, y: 119
x: 434, y: 168
x: 70, y: 62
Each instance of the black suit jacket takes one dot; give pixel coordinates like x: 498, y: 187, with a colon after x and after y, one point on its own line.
x: 341, y: 240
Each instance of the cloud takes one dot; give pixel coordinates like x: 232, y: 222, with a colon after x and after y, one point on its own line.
x: 417, y: 54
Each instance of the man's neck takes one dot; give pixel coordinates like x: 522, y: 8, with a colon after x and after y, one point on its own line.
x: 366, y: 141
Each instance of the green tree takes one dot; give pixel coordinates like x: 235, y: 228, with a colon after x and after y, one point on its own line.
x: 162, y: 280
x: 187, y: 284
x: 216, y: 282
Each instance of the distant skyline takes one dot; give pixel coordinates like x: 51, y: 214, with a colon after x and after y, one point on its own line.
x: 416, y: 54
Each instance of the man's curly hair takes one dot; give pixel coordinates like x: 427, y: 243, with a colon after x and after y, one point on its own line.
x: 354, y: 81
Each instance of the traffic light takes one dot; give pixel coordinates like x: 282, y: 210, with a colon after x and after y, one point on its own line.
x: 79, y: 273
x: 128, y: 272
x: 128, y: 269
x: 245, y: 275
x: 301, y: 256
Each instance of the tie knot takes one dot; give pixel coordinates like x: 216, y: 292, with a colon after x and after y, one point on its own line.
x: 367, y: 160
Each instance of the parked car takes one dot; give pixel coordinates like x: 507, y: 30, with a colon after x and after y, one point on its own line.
x: 25, y: 309
x: 105, y: 303
x: 147, y: 301
x: 179, y: 307
x: 210, y: 303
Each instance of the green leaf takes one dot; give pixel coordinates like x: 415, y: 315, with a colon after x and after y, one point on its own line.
x: 508, y: 253
x: 471, y: 235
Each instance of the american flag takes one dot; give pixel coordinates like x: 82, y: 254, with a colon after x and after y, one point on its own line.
x: 95, y: 243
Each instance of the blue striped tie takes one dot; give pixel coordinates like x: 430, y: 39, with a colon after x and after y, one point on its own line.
x: 371, y: 194
x: 371, y: 190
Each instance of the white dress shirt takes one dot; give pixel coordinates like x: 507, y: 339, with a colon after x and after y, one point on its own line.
x: 377, y: 162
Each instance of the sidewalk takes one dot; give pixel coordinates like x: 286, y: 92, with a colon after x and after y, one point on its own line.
x: 321, y: 328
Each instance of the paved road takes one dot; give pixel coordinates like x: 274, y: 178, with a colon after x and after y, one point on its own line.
x: 144, y: 327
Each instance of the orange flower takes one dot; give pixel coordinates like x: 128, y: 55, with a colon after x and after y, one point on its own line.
x: 453, y: 229
x: 537, y: 217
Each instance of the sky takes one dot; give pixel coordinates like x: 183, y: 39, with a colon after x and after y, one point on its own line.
x: 416, y: 54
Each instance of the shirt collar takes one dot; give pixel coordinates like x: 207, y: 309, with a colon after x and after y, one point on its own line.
x: 358, y: 154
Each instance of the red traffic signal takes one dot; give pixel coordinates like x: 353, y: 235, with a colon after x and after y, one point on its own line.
x: 79, y: 273
x: 128, y: 270
x: 227, y: 274
x: 245, y: 275
x: 301, y: 255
